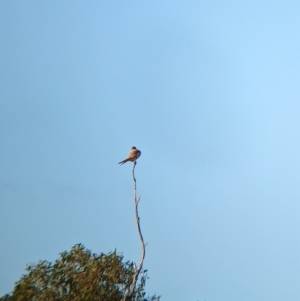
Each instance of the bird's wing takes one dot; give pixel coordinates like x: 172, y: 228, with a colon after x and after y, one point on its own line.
x: 134, y: 154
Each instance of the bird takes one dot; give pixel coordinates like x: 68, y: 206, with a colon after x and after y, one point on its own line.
x: 133, y: 155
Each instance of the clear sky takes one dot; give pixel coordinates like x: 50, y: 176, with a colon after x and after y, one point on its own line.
x: 209, y: 91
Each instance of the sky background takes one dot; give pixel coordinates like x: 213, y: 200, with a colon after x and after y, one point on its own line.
x: 209, y: 91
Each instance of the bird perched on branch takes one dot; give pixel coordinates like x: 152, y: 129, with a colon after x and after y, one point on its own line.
x: 133, y: 155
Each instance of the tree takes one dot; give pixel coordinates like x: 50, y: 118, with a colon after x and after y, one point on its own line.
x: 84, y: 276
x: 80, y: 275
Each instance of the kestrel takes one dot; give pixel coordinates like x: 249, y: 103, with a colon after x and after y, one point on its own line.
x: 133, y: 155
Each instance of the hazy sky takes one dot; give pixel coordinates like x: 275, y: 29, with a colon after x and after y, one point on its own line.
x: 209, y: 91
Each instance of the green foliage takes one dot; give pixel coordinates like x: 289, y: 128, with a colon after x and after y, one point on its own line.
x: 79, y: 275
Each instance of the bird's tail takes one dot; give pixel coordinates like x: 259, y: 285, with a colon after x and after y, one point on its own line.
x: 122, y: 162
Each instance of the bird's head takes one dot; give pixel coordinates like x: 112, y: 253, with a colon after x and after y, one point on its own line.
x: 133, y: 147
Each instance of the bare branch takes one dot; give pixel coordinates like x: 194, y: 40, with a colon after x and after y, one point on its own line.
x: 137, y: 219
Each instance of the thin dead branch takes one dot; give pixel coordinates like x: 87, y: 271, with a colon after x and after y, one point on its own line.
x: 137, y: 219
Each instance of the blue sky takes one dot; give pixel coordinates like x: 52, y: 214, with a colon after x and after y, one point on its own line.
x: 207, y: 90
